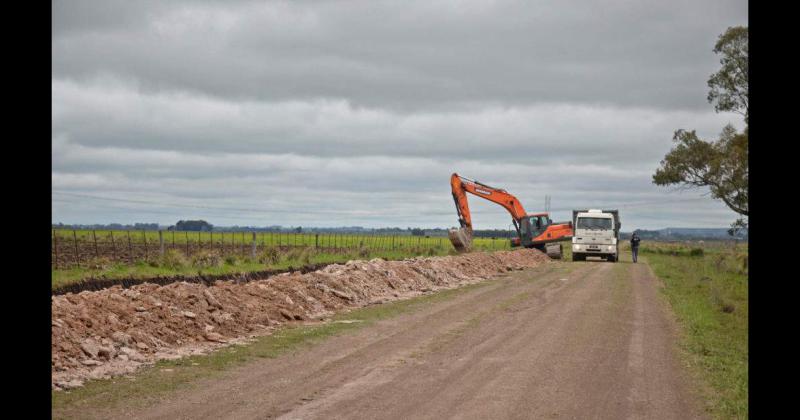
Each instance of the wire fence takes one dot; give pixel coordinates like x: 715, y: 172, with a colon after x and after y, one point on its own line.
x: 80, y: 248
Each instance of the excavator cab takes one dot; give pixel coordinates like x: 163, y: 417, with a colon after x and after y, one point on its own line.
x: 532, y: 226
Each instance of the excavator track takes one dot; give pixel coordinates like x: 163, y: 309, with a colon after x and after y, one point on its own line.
x: 553, y: 250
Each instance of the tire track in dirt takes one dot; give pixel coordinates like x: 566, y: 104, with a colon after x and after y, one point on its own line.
x: 423, y: 389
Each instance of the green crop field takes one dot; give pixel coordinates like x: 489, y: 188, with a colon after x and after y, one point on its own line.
x: 81, y: 254
x: 229, y: 240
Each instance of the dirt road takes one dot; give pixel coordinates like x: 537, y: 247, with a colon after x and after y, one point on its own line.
x: 565, y: 340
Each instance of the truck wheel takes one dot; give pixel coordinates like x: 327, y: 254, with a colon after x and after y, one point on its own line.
x: 612, y: 258
x: 578, y: 257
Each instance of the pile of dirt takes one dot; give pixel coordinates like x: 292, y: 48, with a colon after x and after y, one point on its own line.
x: 111, y: 332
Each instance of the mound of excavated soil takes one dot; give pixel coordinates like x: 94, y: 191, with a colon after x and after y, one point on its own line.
x: 111, y: 332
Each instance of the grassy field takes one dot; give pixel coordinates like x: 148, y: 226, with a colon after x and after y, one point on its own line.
x: 66, y: 237
x: 706, y: 285
x: 269, y: 257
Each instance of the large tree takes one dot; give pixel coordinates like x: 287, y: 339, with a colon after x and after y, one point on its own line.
x: 193, y: 226
x: 720, y: 165
x: 729, y: 86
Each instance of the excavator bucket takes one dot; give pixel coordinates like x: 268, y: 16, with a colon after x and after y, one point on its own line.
x: 461, y: 239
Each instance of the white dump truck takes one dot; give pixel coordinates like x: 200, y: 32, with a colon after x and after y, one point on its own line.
x: 596, y: 234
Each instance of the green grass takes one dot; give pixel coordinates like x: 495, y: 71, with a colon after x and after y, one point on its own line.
x: 296, y: 250
x: 86, y: 238
x: 709, y: 296
x: 293, y: 257
x: 152, y: 382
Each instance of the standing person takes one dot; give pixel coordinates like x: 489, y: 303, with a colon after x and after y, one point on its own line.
x: 635, y: 246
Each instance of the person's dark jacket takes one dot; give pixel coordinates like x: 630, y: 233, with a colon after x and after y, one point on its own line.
x: 634, y: 242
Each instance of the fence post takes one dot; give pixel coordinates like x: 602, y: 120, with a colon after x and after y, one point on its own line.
x: 161, y: 241
x: 254, y: 245
x: 113, y: 245
x: 187, y: 243
x: 55, y: 245
x: 316, y: 240
x: 212, y: 240
x: 130, y: 248
x: 75, y: 242
x: 144, y: 237
x: 94, y: 236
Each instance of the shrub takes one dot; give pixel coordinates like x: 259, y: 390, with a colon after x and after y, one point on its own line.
x: 172, y: 258
x: 270, y: 255
x: 302, y: 254
x: 696, y: 252
x: 293, y: 254
x: 231, y: 260
x: 363, y: 252
x: 100, y: 263
x: 307, y: 254
x: 206, y: 259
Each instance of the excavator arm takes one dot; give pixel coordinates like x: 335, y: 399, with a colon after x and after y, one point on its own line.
x: 460, y: 186
x: 533, y: 230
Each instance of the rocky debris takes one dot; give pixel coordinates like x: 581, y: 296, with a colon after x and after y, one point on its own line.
x: 75, y: 383
x: 341, y: 294
x: 286, y: 314
x: 212, y: 336
x: 121, y: 338
x: 132, y: 354
x: 212, y: 300
x: 114, y: 331
x: 90, y: 347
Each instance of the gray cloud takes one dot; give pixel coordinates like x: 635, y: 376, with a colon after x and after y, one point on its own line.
x: 329, y: 113
x: 406, y: 54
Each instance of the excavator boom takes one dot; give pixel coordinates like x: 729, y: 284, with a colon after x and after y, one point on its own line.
x: 460, y: 186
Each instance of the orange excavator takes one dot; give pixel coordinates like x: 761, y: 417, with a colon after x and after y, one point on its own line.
x: 534, y: 230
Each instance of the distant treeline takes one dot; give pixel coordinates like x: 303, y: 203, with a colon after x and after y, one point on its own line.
x: 110, y: 226
x: 679, y: 234
x: 203, y: 226
x: 666, y: 234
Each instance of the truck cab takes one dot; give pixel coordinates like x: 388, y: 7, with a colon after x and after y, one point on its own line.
x: 596, y: 234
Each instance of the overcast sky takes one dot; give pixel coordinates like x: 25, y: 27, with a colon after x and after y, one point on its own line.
x: 336, y: 113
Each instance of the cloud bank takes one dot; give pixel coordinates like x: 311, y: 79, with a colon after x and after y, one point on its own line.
x: 356, y: 113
